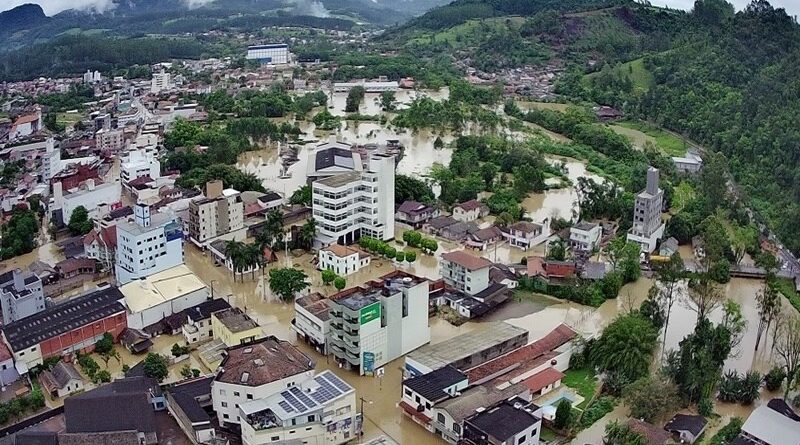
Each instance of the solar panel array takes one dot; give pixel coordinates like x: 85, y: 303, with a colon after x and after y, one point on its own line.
x: 296, y: 400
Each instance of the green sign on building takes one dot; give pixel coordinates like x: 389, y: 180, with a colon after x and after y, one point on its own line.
x: 371, y: 312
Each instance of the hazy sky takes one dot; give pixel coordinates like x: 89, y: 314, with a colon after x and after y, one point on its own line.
x: 54, y: 6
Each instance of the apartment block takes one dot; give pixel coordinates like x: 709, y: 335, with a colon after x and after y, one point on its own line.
x: 109, y: 140
x: 140, y: 163
x: 378, y: 322
x: 355, y: 204
x: 465, y: 272
x: 147, y: 244
x: 647, y: 226
x: 21, y: 295
x: 219, y: 212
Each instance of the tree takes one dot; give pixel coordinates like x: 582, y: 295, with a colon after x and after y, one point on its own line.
x: 328, y: 276
x: 236, y: 255
x: 557, y: 250
x: 411, y: 257
x: 407, y: 188
x: 651, y: 397
x: 186, y: 371
x: 387, y: 101
x: 668, y: 276
x: 156, y: 366
x: 287, y: 282
x: 624, y: 258
x: 102, y: 376
x: 301, y: 196
x: 774, y: 378
x: 339, y: 283
x: 563, y: 414
x: 400, y: 257
x: 307, y: 234
x: 179, y: 350
x: 620, y: 434
x: 354, y: 98
x: 768, y: 301
x: 625, y: 346
x: 787, y: 346
x: 105, y: 345
x: 704, y: 296
x: 271, y: 235
x: 697, y: 364
x: 79, y: 222
x: 733, y: 321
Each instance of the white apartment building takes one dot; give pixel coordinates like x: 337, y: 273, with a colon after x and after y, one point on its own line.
x: 319, y: 411
x: 139, y: 163
x: 648, y: 227
x: 21, y: 295
x: 465, y: 272
x: 272, y: 54
x: 147, y: 244
x: 162, y: 81
x: 585, y: 236
x: 351, y: 205
x: 379, y: 322
x: 109, y: 140
x: 255, y: 371
x: 91, y: 198
x: 342, y: 260
x: 218, y: 213
x: 312, y: 320
x: 51, y: 160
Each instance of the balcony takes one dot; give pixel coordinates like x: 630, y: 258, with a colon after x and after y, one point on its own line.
x: 353, y: 358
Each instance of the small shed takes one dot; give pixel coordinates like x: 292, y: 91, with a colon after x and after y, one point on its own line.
x: 686, y: 428
x: 62, y: 380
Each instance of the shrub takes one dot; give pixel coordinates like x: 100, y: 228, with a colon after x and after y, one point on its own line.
x: 774, y: 378
x: 563, y: 414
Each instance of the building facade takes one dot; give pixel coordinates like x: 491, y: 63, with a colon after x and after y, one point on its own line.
x: 21, y: 295
x: 465, y: 272
x: 140, y: 163
x: 272, y: 54
x: 147, y: 244
x: 647, y: 226
x: 312, y: 320
x: 342, y: 260
x: 109, y: 140
x: 351, y: 205
x: 219, y: 212
x: 585, y: 237
x: 379, y: 322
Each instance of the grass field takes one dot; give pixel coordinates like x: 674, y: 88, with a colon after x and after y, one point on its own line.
x: 681, y: 196
x: 668, y: 143
x: 583, y: 381
x: 530, y: 105
x: 642, y: 78
x: 786, y: 287
x: 463, y: 34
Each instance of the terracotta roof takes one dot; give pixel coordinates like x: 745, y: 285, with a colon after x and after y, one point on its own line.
x: 26, y: 119
x: 543, y: 379
x: 467, y: 260
x: 412, y: 207
x: 73, y: 264
x: 263, y: 361
x: 535, y: 266
x: 341, y: 251
x: 470, y: 205
x: 524, y: 355
x: 525, y: 226
x: 653, y: 435
x: 5, y: 354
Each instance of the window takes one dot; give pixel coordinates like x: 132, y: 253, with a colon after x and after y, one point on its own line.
x: 440, y: 418
x: 457, y: 428
x: 408, y: 392
x: 275, y: 438
x: 249, y: 397
x: 224, y: 404
x: 236, y: 393
x: 311, y: 418
x: 521, y: 439
x: 417, y: 399
x: 225, y: 416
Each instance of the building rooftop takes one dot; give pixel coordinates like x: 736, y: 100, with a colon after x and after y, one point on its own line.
x: 652, y: 434
x: 161, y: 287
x: 342, y: 251
x: 64, y: 317
x: 339, y: 155
x: 584, y: 226
x: 503, y: 421
x: 476, y: 397
x: 235, y: 320
x: 311, y: 395
x: 412, y: 207
x: 687, y: 422
x: 450, y: 351
x: 431, y: 386
x: 157, y: 221
x: 467, y: 260
x: 186, y: 395
x: 122, y: 405
x: 340, y: 179
x: 772, y: 427
x: 61, y: 374
x: 470, y: 205
x: 316, y: 304
x: 371, y: 292
x: 204, y: 310
x: 543, y: 379
x: 262, y: 361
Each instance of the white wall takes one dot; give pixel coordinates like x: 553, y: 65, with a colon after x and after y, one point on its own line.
x: 140, y: 320
x: 226, y: 394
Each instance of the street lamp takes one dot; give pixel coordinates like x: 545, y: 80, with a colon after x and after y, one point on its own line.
x: 363, y: 417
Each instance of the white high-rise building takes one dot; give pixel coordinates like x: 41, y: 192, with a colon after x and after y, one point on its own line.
x: 272, y: 54
x: 140, y: 163
x: 51, y: 160
x: 162, y: 81
x: 147, y: 244
x: 351, y: 205
x: 648, y: 227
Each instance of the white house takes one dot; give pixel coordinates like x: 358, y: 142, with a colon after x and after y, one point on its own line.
x: 525, y: 234
x: 312, y: 320
x: 160, y: 295
x: 511, y: 422
x: 470, y: 211
x: 62, y: 380
x: 139, y: 163
x: 197, y: 328
x: 342, y: 260
x: 91, y: 197
x: 26, y: 125
x: 422, y: 392
x: 465, y: 272
x: 585, y: 236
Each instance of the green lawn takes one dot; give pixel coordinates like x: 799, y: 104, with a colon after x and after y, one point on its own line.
x: 668, y: 143
x: 547, y: 435
x: 786, y: 287
x: 635, y: 70
x: 583, y: 381
x: 681, y: 196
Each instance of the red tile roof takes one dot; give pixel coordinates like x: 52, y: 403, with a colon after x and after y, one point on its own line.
x: 543, y: 379
x: 26, y: 119
x: 467, y: 260
x: 528, y: 355
x: 470, y: 205
x: 652, y: 434
x: 535, y: 266
x: 411, y: 411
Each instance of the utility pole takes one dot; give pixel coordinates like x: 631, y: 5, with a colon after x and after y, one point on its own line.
x: 212, y: 288
x: 363, y: 417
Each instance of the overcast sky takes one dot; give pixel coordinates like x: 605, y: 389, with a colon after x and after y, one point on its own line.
x: 54, y: 6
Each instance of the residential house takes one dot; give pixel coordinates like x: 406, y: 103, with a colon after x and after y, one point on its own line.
x: 197, y: 327
x: 342, y: 260
x: 188, y: 403
x: 483, y: 238
x: 465, y: 271
x: 668, y: 247
x: 652, y: 434
x: 8, y: 373
x: 312, y: 320
x: 255, y: 371
x: 234, y: 327
x: 422, y: 392
x: 768, y: 426
x: 510, y: 422
x: 75, y: 267
x: 585, y: 236
x: 434, y: 226
x: 415, y: 214
x: 525, y: 234
x: 686, y: 428
x: 470, y: 211
x: 691, y: 163
x: 101, y: 246
x: 458, y: 231
x: 62, y: 380
x: 135, y: 341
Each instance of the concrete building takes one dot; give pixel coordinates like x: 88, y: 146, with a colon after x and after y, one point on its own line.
x: 312, y: 321
x: 691, y: 163
x: 585, y: 236
x: 488, y: 341
x: 91, y: 198
x: 156, y: 297
x: 351, y: 205
x: 648, y: 227
x: 524, y: 234
x: 255, y: 371
x: 21, y: 295
x: 379, y: 322
x: 51, y: 160
x: 73, y: 326
x: 109, y: 140
x: 218, y: 213
x: 8, y: 373
x: 197, y: 328
x: 510, y: 422
x: 470, y: 211
x: 342, y: 260
x: 161, y: 81
x: 333, y: 158
x: 465, y: 271
x: 234, y: 327
x: 147, y: 244
x: 101, y: 245
x: 422, y: 392
x: 415, y: 214
x: 369, y: 86
x: 25, y: 125
x: 269, y: 54
x: 188, y: 402
x: 319, y: 411
x: 140, y: 163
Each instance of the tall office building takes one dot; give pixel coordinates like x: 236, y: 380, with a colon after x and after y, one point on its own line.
x: 147, y: 244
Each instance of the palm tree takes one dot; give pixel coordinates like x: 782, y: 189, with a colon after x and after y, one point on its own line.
x: 235, y: 253
x: 255, y: 258
x: 307, y: 234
